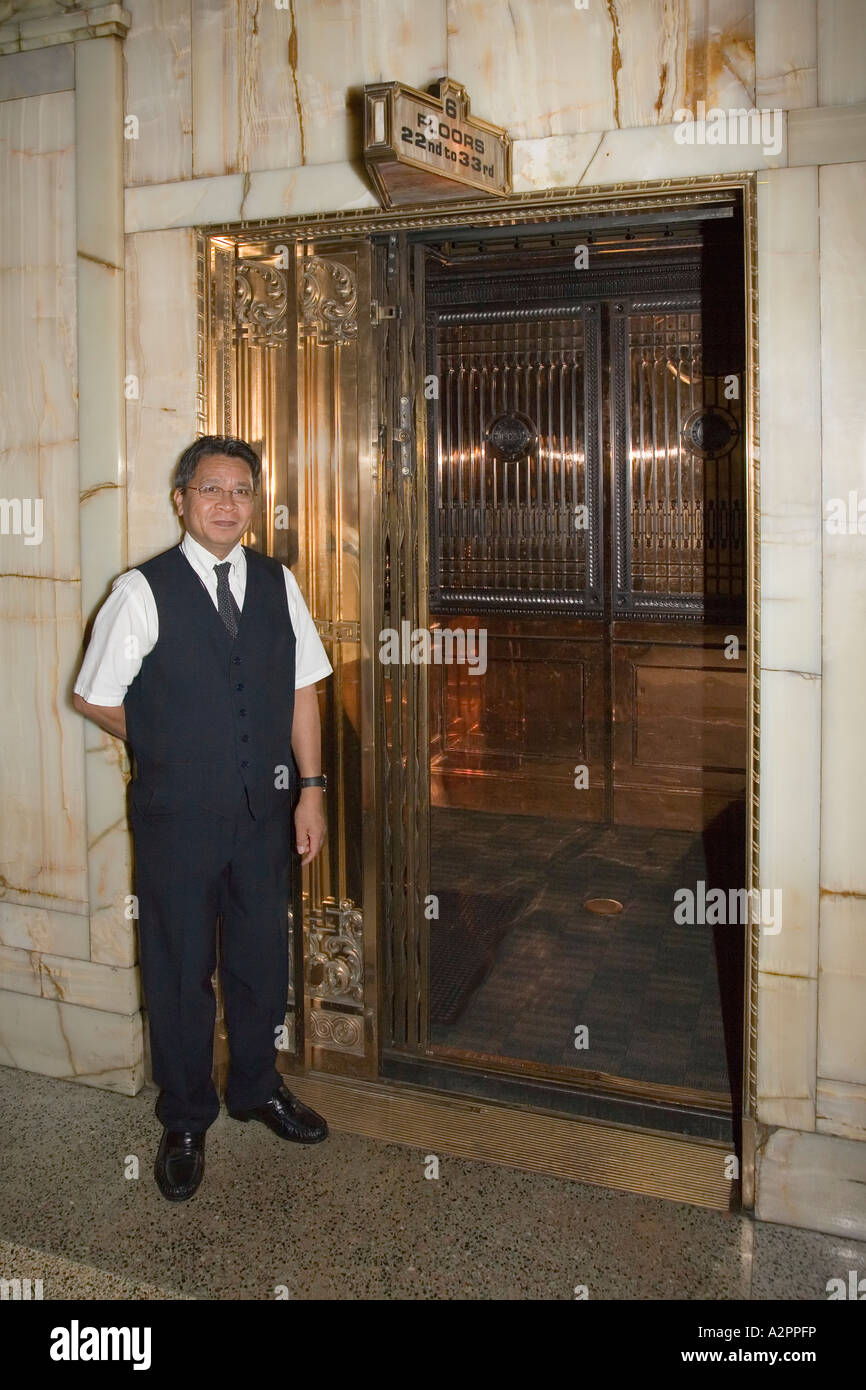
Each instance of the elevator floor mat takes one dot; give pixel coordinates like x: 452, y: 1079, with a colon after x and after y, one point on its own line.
x: 463, y: 942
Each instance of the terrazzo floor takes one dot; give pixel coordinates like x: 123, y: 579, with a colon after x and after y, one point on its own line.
x: 352, y: 1218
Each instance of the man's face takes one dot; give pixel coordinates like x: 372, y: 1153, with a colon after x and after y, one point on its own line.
x: 216, y: 524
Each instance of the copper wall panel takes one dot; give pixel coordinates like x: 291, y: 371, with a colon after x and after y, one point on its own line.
x: 679, y: 733
x: 516, y: 735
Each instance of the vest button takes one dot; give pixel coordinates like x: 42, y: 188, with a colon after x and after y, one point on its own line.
x: 244, y: 764
x: 239, y: 687
x: 245, y: 738
x: 242, y: 712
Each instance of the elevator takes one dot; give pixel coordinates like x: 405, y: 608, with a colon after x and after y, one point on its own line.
x: 506, y: 454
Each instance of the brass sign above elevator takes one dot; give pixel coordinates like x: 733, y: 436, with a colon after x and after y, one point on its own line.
x: 422, y: 148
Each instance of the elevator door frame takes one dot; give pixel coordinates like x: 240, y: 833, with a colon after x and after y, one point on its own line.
x: 317, y: 1069
x: 412, y: 1048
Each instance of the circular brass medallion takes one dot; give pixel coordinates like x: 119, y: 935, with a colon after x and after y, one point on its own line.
x: 511, y: 435
x: 710, y: 432
x: 605, y: 907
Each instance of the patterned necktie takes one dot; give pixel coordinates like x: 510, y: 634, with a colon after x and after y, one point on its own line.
x: 228, y: 609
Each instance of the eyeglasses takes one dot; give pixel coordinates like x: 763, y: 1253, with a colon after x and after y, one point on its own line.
x: 211, y: 493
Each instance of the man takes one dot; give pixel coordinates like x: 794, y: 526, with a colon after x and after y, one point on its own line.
x: 205, y: 659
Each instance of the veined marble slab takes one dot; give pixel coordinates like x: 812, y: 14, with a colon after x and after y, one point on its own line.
x: 629, y: 156
x: 232, y: 86
x: 48, y: 976
x: 552, y: 69
x: 786, y: 53
x: 39, y: 480
x: 789, y: 334
x: 814, y: 1181
x: 161, y: 353
x: 235, y: 197
x: 42, y: 851
x: 42, y: 25
x: 109, y: 849
x: 827, y: 135
x: 842, y: 989
x: 841, y: 1109
x: 73, y: 1043
x: 787, y: 1010
x: 790, y: 819
x: 842, y: 190
x: 841, y: 46
x: 156, y: 55
x: 37, y: 263
x: 35, y: 73
x: 43, y: 848
x: 99, y: 233
x: 41, y: 929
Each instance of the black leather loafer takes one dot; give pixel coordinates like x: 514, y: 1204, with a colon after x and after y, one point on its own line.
x: 179, y: 1166
x: 288, y: 1117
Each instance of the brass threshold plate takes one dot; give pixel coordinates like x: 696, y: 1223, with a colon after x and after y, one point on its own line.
x: 680, y: 1169
x: 585, y: 1079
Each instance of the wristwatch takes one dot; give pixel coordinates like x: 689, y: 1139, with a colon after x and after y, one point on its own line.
x: 315, y: 781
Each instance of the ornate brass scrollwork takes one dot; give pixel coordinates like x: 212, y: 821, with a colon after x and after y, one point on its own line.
x: 329, y: 301
x: 335, y: 958
x: 261, y: 300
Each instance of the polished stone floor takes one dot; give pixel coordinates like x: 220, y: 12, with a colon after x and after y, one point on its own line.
x: 351, y: 1219
x: 660, y: 1002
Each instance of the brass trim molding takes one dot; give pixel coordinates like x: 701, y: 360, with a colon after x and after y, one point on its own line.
x: 536, y: 205
x: 604, y: 1154
x: 339, y: 631
x: 753, y: 492
x: 586, y: 1080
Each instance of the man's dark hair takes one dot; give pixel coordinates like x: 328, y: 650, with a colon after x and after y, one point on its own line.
x: 208, y: 445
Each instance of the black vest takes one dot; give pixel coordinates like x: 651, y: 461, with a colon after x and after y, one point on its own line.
x: 208, y: 714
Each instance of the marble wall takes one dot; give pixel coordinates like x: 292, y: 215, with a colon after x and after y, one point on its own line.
x: 69, y: 994
x: 241, y: 109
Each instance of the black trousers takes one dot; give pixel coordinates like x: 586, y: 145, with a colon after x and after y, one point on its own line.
x: 189, y: 868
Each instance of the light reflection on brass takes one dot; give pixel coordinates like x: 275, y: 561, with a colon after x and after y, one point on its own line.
x: 379, y: 810
x: 605, y: 907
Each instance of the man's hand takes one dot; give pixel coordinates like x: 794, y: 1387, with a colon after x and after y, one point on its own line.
x: 310, y: 826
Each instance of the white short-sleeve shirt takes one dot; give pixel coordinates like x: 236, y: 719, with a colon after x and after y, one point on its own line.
x: 127, y: 625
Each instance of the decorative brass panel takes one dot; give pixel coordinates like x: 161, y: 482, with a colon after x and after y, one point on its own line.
x: 514, y: 493
x: 288, y: 369
x: 329, y: 300
x: 338, y: 631
x: 336, y: 1032
x: 333, y: 390
x: 404, y: 772
x: 680, y: 525
x: 334, y: 952
x: 261, y: 302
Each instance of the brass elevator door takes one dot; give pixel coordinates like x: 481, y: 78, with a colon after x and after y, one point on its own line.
x: 572, y: 426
